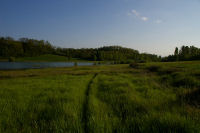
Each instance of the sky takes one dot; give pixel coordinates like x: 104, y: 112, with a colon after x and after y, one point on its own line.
x: 152, y: 26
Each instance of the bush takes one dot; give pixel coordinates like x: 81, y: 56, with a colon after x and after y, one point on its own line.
x: 134, y: 65
x: 182, y: 80
x: 122, y: 62
x: 125, y: 62
x: 142, y: 61
x: 153, y: 68
x: 116, y: 62
x: 128, y: 61
x: 165, y: 71
x: 75, y: 64
x: 193, y: 97
x: 112, y: 62
x: 11, y: 59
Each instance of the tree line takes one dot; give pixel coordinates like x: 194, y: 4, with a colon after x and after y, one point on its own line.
x: 25, y: 47
x: 185, y: 53
x: 108, y: 53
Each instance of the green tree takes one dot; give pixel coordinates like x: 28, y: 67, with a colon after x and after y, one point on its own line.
x: 176, y: 53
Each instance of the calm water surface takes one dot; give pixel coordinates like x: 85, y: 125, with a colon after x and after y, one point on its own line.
x: 34, y: 65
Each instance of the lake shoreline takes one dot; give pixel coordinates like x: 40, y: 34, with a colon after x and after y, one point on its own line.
x: 39, y: 65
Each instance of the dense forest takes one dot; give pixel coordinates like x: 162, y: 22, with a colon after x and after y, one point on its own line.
x: 185, y: 53
x: 25, y: 47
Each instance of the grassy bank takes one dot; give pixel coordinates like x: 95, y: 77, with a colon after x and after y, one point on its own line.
x: 43, y: 58
x: 152, y: 97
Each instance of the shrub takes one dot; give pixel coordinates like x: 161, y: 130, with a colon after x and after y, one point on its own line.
x: 11, y: 59
x: 116, y: 62
x: 128, y: 61
x: 122, y: 62
x: 75, y: 64
x: 193, y: 97
x: 153, y: 68
x: 165, y: 71
x: 112, y: 62
x: 183, y: 80
x: 134, y: 65
x: 142, y: 61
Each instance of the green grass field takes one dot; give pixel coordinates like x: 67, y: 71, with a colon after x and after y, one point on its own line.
x: 152, y: 97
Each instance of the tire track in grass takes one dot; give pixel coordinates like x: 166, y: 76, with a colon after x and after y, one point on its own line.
x: 85, y: 115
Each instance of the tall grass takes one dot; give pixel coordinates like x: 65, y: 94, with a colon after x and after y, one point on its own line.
x: 45, y: 104
x: 123, y: 103
x: 153, y: 97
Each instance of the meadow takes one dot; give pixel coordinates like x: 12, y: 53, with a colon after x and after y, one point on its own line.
x: 146, y: 97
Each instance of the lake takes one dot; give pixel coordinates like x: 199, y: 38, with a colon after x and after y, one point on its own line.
x: 35, y: 65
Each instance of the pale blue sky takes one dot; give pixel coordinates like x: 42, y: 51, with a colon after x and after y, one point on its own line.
x: 153, y: 26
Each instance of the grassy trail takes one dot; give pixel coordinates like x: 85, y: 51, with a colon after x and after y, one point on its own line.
x: 85, y: 118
